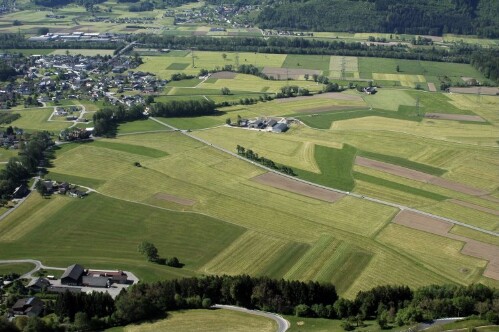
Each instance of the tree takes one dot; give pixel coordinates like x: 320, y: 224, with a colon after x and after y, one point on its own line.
x: 43, y: 31
x: 306, y: 76
x: 383, y: 320
x: 149, y: 250
x: 206, y: 304
x: 228, y: 121
x: 224, y: 56
x: 225, y: 91
x: 40, y: 187
x: 82, y: 322
x: 398, y: 68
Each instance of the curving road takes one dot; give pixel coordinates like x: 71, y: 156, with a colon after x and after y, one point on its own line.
x: 37, y: 263
x: 367, y: 198
x: 282, y: 324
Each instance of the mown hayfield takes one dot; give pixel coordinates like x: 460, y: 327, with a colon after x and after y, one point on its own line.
x: 244, y: 255
x: 110, y: 230
x: 204, y: 321
x: 6, y: 154
x: 479, y: 236
x: 434, y: 251
x: 452, y: 131
x: 484, y: 106
x: 140, y: 126
x: 464, y: 214
x: 37, y: 119
x: 389, y: 99
x: 195, y: 123
x: 319, y: 62
x: 328, y: 261
x: 236, y: 213
x: 450, y: 38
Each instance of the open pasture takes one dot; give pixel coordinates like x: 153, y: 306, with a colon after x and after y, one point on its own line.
x: 19, y: 268
x: 298, y: 61
x: 37, y: 119
x: 204, y: 321
x: 405, y: 80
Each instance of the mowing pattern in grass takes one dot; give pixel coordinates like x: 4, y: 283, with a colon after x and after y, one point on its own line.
x: 134, y: 149
x: 115, y: 225
x: 78, y: 180
x: 398, y: 186
x: 177, y: 66
x: 331, y: 260
x: 140, y: 126
x: 205, y: 321
x: 244, y: 255
x: 335, y: 165
x: 326, y: 120
x: 434, y: 251
x: 402, y: 162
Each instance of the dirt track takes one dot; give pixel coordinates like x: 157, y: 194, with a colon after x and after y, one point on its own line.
x: 471, y: 247
x: 281, y: 182
x: 175, y: 199
x: 456, y: 117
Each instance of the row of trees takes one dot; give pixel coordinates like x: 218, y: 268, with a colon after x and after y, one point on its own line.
x: 106, y: 120
x: 488, y: 63
x: 248, y: 153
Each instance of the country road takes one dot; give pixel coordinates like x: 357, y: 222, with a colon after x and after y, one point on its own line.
x: 282, y: 324
x: 367, y: 198
x: 38, y: 266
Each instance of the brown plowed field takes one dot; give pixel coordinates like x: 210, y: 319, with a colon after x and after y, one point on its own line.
x: 472, y: 247
x: 224, y: 74
x: 420, y: 176
x: 456, y: 117
x: 284, y: 183
x: 285, y: 73
x: 175, y: 199
x: 393, y: 169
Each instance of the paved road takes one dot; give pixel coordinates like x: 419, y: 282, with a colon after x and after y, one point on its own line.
x: 367, y: 198
x: 282, y: 324
x: 38, y: 266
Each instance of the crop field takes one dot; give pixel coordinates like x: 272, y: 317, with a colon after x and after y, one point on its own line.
x: 204, y: 321
x: 350, y: 65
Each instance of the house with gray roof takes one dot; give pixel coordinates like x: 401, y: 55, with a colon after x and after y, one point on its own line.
x: 72, y: 275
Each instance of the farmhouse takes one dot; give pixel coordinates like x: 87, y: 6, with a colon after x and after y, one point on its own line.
x: 95, y: 281
x: 370, y: 90
x: 30, y: 307
x: 72, y: 275
x: 39, y: 284
x: 20, y: 191
x: 280, y: 127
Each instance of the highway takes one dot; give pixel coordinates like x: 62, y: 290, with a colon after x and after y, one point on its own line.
x: 367, y: 198
x: 282, y: 324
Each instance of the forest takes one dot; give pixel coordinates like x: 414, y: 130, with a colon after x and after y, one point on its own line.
x: 427, y: 17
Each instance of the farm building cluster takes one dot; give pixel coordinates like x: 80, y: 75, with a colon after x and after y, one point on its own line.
x: 276, y: 125
x: 75, y: 279
x: 63, y: 188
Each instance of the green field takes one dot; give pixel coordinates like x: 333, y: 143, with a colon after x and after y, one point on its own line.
x: 204, y: 321
x: 19, y: 268
x: 318, y: 62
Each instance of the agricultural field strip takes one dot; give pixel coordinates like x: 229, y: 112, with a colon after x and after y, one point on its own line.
x: 472, y: 247
x: 371, y: 199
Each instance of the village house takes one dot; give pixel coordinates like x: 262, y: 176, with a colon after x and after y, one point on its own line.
x: 30, y: 307
x: 38, y: 284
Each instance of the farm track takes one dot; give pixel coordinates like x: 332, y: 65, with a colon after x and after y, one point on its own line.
x: 367, y: 198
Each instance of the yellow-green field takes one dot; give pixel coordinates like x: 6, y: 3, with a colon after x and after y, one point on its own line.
x: 205, y: 321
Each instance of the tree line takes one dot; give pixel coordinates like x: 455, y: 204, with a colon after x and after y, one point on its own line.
x: 249, y: 154
x: 487, y: 62
x: 388, y: 304
x: 459, y: 53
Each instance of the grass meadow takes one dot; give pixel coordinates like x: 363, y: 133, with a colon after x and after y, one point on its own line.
x: 204, y: 321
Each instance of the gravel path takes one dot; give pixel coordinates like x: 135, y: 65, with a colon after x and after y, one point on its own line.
x: 282, y: 324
